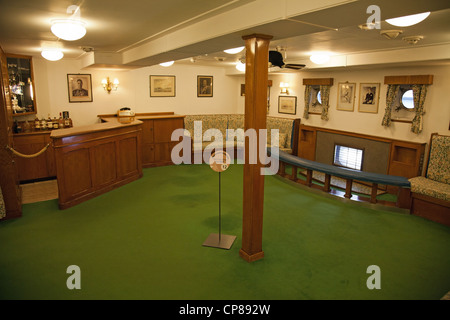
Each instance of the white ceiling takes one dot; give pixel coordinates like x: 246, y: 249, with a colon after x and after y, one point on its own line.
x: 140, y: 33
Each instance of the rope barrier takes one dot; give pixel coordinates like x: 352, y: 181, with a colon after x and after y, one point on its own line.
x: 17, y: 153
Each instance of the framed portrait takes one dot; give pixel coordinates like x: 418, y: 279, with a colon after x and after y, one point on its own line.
x: 204, y: 86
x: 346, y: 96
x: 79, y: 87
x: 287, y: 104
x: 369, y: 94
x: 162, y: 86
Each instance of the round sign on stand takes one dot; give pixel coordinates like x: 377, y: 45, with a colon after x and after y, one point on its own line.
x: 219, y: 162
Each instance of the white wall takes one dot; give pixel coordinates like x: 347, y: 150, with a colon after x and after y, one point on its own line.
x: 437, y: 104
x: 52, y: 97
x: 133, y: 91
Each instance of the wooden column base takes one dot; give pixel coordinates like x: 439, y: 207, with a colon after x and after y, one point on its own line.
x: 251, y: 258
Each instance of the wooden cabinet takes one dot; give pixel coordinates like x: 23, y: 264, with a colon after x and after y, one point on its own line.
x: 21, y: 82
x: 40, y: 167
x: 307, y: 143
x: 406, y: 159
x: 156, y: 139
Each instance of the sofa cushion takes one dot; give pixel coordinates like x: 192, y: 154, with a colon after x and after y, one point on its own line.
x: 430, y: 188
x: 236, y: 121
x: 439, y: 161
x: 284, y: 125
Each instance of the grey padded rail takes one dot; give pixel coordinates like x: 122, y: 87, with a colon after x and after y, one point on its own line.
x: 344, y: 172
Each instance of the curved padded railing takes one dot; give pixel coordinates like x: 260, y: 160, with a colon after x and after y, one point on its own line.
x: 403, y: 184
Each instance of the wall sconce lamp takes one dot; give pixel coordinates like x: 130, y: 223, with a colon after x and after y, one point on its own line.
x: 108, y: 85
x: 284, y: 87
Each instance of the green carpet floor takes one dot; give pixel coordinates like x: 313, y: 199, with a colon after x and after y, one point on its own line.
x: 144, y: 241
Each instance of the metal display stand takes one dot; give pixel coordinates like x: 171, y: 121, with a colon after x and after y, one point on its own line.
x: 219, y: 240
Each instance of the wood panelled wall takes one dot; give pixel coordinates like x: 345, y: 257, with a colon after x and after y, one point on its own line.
x: 90, y: 164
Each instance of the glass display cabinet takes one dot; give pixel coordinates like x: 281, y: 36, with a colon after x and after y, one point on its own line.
x: 21, y: 82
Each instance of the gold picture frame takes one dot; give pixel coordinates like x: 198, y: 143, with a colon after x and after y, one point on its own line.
x: 162, y: 86
x: 369, y: 96
x: 79, y: 87
x: 287, y: 104
x: 346, y: 96
x: 204, y: 86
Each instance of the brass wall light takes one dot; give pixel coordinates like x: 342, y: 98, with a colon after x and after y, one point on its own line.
x: 108, y: 85
x: 284, y: 87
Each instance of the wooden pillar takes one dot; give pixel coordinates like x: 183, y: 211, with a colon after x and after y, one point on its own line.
x: 256, y: 77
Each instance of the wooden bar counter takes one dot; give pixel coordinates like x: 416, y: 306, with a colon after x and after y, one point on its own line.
x: 91, y: 160
x: 157, y: 131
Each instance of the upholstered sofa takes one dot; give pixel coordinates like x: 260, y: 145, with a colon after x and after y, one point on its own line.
x: 431, y: 192
x: 201, y: 139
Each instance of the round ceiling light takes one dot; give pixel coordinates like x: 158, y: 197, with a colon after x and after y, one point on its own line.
x: 52, y: 54
x: 407, y: 21
x: 167, y: 64
x: 68, y: 29
x: 234, y: 50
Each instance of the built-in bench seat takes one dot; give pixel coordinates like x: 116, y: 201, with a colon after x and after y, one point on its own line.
x: 431, y: 192
x: 348, y: 174
x: 201, y: 139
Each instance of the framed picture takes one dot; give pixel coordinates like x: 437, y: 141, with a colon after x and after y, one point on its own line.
x: 79, y: 87
x: 204, y: 86
x: 287, y: 104
x: 346, y: 96
x: 369, y: 94
x: 162, y: 86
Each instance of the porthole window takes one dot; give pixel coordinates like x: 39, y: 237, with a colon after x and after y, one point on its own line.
x: 408, y: 100
x: 319, y: 99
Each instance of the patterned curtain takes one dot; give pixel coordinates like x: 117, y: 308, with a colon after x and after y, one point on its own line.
x: 325, y: 97
x: 419, y: 94
x: 391, y: 95
x: 307, y: 96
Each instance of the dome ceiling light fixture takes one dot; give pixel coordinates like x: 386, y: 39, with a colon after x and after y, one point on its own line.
x: 407, y: 21
x: 52, y: 54
x: 234, y: 50
x: 166, y: 64
x: 69, y: 29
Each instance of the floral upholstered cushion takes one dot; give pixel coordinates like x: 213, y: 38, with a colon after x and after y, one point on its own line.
x: 217, y: 122
x: 236, y: 121
x: 439, y: 162
x: 284, y: 125
x: 430, y: 188
x: 222, y: 122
